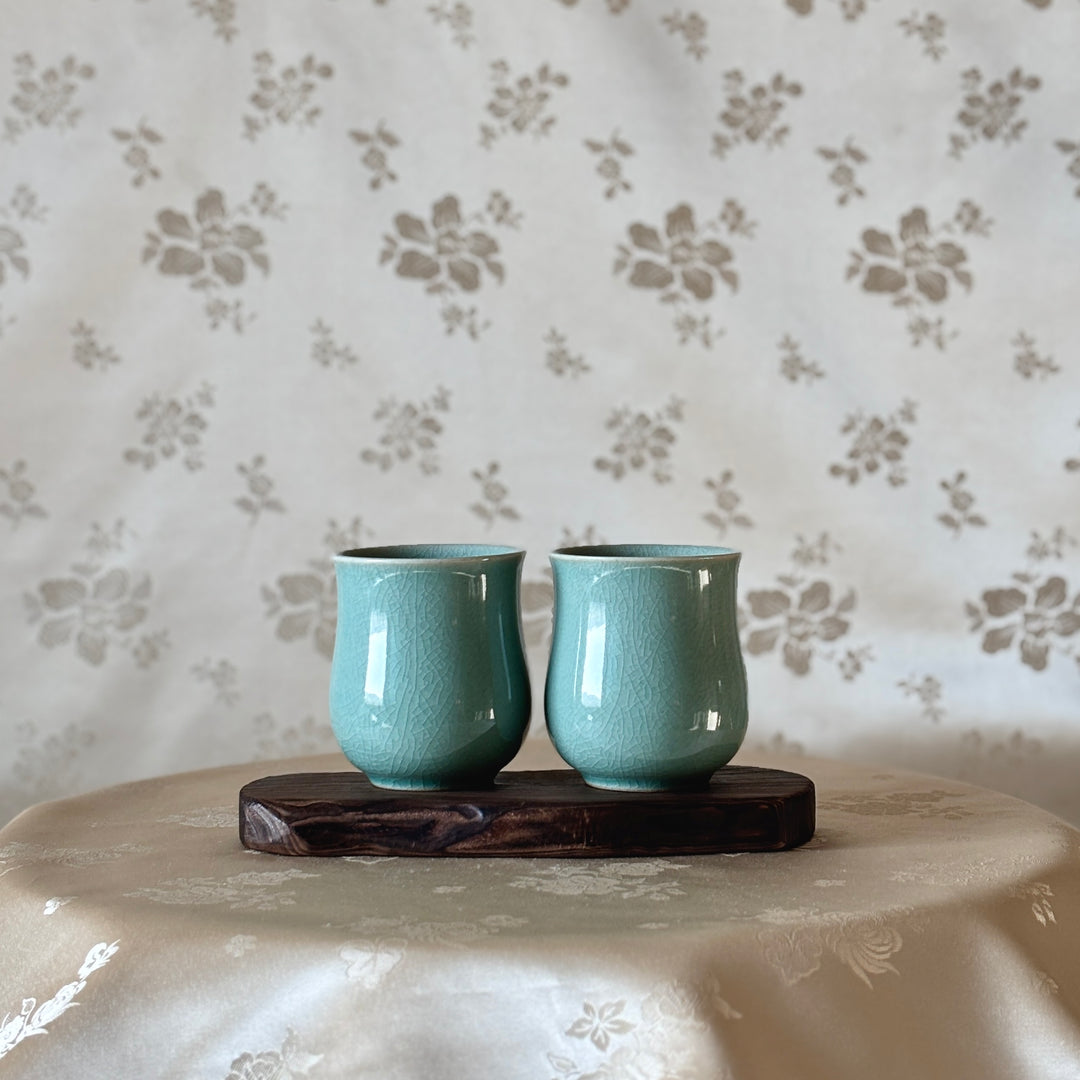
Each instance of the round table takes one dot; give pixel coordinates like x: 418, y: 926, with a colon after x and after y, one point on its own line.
x: 930, y: 929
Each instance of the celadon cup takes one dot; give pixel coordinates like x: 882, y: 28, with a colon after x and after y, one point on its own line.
x: 646, y: 687
x: 428, y: 685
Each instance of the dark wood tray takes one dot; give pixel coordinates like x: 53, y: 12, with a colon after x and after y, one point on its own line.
x: 552, y: 813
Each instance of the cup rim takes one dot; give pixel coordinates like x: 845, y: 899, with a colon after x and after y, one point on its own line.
x: 642, y: 554
x: 428, y: 554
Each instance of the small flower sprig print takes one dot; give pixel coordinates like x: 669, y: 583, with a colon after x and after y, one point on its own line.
x: 990, y: 114
x: 519, y: 105
x: 961, y: 513
x: 137, y: 142
x: 260, y: 497
x: 929, y: 693
x: 879, y: 444
x: 377, y: 145
x: 560, y: 359
x: 794, y: 366
x: 753, y: 112
x: 287, y: 96
x: 411, y: 430
x: 612, y: 153
x: 494, y: 495
x: 929, y: 30
x: 19, y: 503
x: 725, y: 513
x: 692, y: 28
x: 1027, y: 362
x: 46, y: 99
x: 844, y: 160
x: 643, y: 441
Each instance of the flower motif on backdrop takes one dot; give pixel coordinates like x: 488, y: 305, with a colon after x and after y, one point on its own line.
x: 804, y: 616
x: 929, y: 30
x: 286, y: 98
x: 961, y: 513
x: 726, y: 502
x: 22, y: 206
x: 260, y: 496
x: 845, y: 159
x: 90, y: 353
x: 992, y: 114
x: 610, y: 166
x: 915, y: 266
x: 493, y: 505
x: 326, y: 351
x: 411, y: 430
x: 685, y: 263
x: 457, y: 18
x: 560, y: 359
x: 1071, y: 148
x: 99, y: 605
x: 222, y: 13
x: 377, y: 145
x: 19, y: 503
x: 451, y: 254
x: 305, y: 603
x: 137, y: 142
x: 1035, y: 613
x: 520, y: 105
x: 1027, y: 362
x: 642, y: 441
x: 879, y: 445
x: 46, y: 99
x: 174, y: 429
x: 692, y: 28
x: 214, y: 247
x: 753, y: 114
x: 794, y: 366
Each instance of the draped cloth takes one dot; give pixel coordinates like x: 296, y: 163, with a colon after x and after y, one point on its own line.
x: 930, y: 928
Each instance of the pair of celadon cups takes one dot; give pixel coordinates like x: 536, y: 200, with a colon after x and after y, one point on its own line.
x: 646, y: 688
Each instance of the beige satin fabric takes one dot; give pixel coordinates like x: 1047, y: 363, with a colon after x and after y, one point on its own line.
x: 930, y: 929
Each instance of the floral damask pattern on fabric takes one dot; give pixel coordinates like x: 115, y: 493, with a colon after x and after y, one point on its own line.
x: 520, y: 105
x: 45, y: 97
x: 804, y: 615
x: 452, y: 256
x: 34, y: 1019
x: 917, y: 265
x: 214, y: 248
x: 100, y: 606
x: 1034, y: 613
x: 686, y: 263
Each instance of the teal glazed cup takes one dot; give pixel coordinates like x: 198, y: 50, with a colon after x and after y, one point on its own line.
x: 646, y: 688
x: 428, y: 685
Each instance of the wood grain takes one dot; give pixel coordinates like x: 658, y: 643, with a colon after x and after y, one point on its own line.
x: 525, y: 814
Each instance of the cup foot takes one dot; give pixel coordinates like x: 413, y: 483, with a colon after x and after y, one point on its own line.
x: 463, y: 783
x: 622, y: 783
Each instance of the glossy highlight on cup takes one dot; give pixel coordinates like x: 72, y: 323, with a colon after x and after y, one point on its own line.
x: 646, y: 686
x: 428, y: 685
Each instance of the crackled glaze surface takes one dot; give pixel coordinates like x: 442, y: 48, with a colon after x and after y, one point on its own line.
x: 428, y: 686
x: 646, y: 687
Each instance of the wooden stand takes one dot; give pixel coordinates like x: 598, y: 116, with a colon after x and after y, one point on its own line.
x: 526, y: 814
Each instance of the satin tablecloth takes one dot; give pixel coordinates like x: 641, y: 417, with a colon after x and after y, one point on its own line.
x: 929, y: 930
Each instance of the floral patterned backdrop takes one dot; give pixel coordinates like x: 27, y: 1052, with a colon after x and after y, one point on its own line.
x: 793, y: 276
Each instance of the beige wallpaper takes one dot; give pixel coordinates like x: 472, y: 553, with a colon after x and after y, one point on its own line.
x: 795, y: 277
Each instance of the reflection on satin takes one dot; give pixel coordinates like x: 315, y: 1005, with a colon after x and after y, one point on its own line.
x: 375, y: 680
x: 592, y: 669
